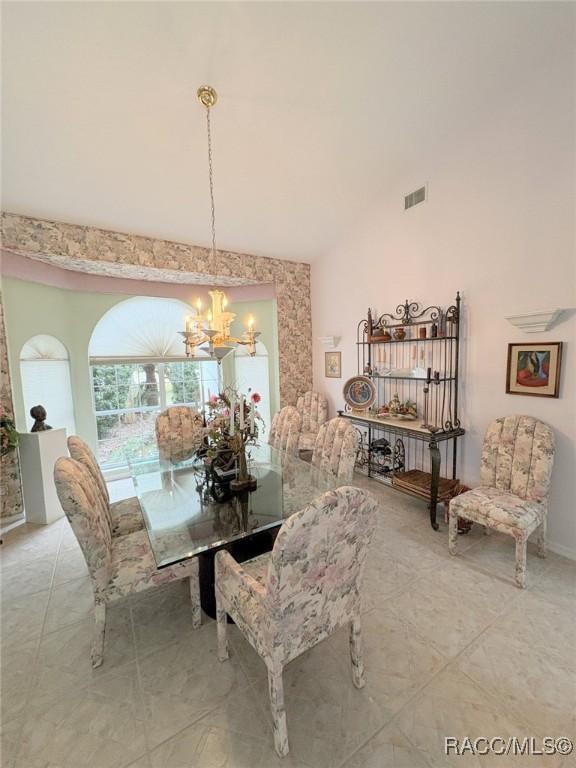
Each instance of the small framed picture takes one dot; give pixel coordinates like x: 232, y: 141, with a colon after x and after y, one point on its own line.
x: 333, y: 365
x: 534, y: 369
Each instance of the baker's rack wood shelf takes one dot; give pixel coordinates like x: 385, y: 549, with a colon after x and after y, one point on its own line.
x: 413, y: 352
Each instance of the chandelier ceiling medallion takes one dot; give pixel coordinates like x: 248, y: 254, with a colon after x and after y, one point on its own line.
x: 213, y: 326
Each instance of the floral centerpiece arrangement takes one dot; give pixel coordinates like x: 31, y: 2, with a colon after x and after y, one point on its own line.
x: 232, y: 424
x: 8, y: 434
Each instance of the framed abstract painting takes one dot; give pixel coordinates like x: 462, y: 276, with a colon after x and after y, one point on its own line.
x: 333, y: 365
x: 534, y: 369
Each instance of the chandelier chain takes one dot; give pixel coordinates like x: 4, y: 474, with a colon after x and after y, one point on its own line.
x: 211, y: 180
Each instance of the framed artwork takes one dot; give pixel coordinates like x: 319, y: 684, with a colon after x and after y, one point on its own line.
x: 534, y: 369
x: 333, y: 365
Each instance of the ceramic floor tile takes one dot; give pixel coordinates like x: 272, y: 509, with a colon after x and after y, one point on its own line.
x: 398, y: 661
x: 68, y: 648
x: 162, y: 689
x: 188, y: 677
x: 26, y: 578
x: 528, y: 680
x: 207, y: 745
x: 388, y: 749
x: 239, y: 712
x: 384, y: 577
x: 84, y: 729
x: 70, y: 565
x: 70, y: 603
x: 163, y: 619
x: 548, y: 627
x: 557, y: 583
x: 495, y: 555
x: 448, y: 622
x: 52, y: 684
x: 454, y: 706
x: 23, y: 617
x: 328, y: 718
x: 9, y: 741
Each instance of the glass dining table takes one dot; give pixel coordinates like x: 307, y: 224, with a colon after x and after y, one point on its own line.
x: 185, y: 517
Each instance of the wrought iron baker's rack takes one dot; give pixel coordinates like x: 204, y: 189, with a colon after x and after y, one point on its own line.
x: 413, y: 352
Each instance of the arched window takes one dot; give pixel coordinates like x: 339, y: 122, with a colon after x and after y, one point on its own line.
x: 45, y: 373
x: 138, y: 369
x: 252, y: 373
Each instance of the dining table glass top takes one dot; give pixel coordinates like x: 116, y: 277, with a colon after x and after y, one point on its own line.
x: 183, y: 519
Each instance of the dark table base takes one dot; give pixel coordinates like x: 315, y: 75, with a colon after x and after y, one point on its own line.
x: 241, y: 550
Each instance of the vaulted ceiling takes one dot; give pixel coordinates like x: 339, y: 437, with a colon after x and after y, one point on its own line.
x: 323, y: 107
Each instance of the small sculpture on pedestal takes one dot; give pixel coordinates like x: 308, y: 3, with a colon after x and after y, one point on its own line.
x: 38, y: 412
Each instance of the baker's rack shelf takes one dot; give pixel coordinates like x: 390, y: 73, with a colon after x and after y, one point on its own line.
x: 409, y: 454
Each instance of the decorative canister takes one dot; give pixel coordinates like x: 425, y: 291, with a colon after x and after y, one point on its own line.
x: 434, y: 331
x: 422, y: 332
x: 399, y: 334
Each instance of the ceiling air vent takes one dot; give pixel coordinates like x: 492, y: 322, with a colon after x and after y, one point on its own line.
x: 418, y: 196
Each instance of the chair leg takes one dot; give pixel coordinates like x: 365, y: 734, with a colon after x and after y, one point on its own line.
x: 453, y: 533
x: 97, y: 652
x: 222, y: 630
x: 195, y: 602
x: 276, y: 690
x: 356, y: 654
x: 541, y: 538
x: 521, y: 546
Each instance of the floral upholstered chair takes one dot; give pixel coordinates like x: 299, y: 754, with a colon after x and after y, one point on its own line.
x: 285, y: 430
x: 517, y: 458
x: 336, y: 448
x: 287, y: 601
x: 123, y: 516
x: 313, y: 407
x: 118, y: 566
x: 179, y: 432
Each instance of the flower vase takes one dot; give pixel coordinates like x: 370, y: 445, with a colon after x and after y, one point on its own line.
x: 244, y: 481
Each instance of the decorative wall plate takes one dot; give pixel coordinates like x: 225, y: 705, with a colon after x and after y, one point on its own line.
x: 359, y: 393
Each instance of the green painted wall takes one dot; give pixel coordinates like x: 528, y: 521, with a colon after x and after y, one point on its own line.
x: 70, y: 316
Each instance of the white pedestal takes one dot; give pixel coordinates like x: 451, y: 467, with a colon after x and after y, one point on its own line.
x: 38, y: 454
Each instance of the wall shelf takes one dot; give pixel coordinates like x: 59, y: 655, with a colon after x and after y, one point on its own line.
x: 536, y: 322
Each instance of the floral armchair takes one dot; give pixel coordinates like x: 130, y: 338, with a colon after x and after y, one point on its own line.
x: 123, y: 516
x: 517, y: 458
x: 287, y: 601
x: 336, y: 448
x: 313, y: 407
x: 285, y: 430
x: 118, y: 566
x: 179, y: 432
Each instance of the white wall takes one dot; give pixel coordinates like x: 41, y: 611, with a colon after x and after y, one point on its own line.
x: 499, y: 226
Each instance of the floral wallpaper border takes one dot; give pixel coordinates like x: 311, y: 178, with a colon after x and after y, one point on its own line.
x: 114, y: 254
x: 10, y: 483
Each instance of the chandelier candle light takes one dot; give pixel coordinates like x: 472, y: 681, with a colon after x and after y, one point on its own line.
x: 213, y: 327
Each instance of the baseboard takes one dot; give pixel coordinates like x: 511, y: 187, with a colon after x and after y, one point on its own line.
x: 560, y: 549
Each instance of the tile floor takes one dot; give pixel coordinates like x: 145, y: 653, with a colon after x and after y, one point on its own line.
x: 452, y: 648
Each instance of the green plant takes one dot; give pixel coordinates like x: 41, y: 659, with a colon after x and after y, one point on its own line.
x: 8, y: 434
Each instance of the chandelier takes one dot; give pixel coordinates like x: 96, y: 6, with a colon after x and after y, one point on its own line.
x: 212, y: 328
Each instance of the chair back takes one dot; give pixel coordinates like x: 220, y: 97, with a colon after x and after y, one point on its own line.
x: 316, y: 567
x: 80, y: 451
x: 313, y: 407
x: 336, y: 448
x: 86, y: 510
x: 179, y: 432
x: 285, y: 430
x: 517, y: 456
